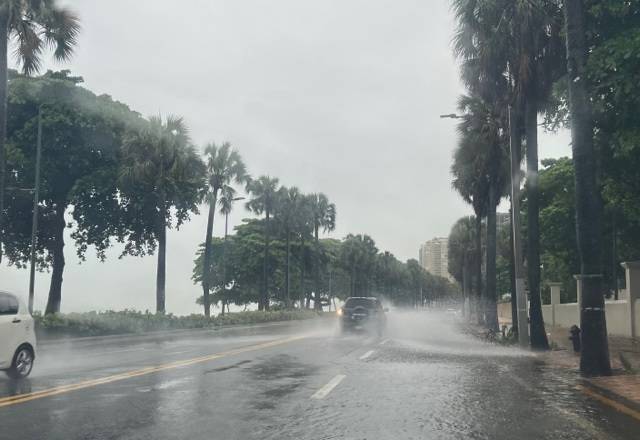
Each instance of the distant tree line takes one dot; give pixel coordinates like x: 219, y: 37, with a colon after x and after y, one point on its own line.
x: 116, y: 177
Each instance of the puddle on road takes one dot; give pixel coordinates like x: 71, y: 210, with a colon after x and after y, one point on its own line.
x: 277, y: 377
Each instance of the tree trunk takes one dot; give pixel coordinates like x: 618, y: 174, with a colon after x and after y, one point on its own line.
x: 206, y: 262
x: 161, y: 269
x: 57, y: 251
x: 478, y: 270
x: 287, y: 281
x: 594, y: 356
x: 512, y: 279
x: 264, y: 299
x: 4, y: 37
x: 491, y: 310
x: 538, y: 334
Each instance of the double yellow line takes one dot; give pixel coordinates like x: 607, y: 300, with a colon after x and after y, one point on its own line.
x: 21, y: 398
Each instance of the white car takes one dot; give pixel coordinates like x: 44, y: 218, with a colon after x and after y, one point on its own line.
x: 17, y: 337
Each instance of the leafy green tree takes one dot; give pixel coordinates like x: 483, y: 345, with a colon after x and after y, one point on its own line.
x: 161, y: 183
x: 34, y: 25
x: 264, y: 199
x: 358, y: 259
x: 81, y: 139
x: 288, y: 206
x: 224, y: 167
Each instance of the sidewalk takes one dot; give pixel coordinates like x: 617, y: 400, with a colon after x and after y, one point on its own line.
x: 622, y: 389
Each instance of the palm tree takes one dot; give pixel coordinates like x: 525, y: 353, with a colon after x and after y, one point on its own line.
x: 594, y: 356
x: 482, y: 144
x: 289, y: 204
x: 462, y: 255
x: 34, y: 25
x: 324, y: 217
x: 161, y: 172
x: 224, y: 167
x: 227, y: 199
x: 472, y: 185
x: 303, y: 221
x: 264, y: 200
x: 537, y: 64
x: 511, y: 52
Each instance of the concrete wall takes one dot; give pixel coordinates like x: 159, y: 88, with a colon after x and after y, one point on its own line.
x: 566, y: 315
x: 618, y: 318
x: 504, y: 311
x: 623, y: 316
x: 547, y: 312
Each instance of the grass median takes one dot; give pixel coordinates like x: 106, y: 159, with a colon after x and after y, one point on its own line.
x: 130, y: 321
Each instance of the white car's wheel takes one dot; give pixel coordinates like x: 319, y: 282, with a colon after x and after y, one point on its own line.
x: 22, y: 363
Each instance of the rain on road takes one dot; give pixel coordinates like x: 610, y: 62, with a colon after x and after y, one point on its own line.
x: 423, y: 379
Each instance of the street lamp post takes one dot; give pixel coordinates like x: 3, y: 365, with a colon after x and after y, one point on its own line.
x: 224, y: 250
x: 34, y: 221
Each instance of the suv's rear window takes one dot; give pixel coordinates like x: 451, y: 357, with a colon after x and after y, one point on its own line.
x: 8, y: 304
x: 361, y: 302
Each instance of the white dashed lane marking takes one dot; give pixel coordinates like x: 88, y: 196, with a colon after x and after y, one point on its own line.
x: 325, y: 390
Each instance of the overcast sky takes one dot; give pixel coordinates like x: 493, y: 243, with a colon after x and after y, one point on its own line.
x: 333, y: 96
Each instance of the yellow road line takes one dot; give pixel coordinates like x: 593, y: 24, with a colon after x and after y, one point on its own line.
x: 21, y: 398
x: 612, y: 403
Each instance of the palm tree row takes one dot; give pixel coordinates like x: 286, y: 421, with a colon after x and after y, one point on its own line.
x: 512, y: 54
x: 302, y: 217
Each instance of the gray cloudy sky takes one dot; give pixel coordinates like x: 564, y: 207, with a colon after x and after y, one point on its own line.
x: 341, y: 97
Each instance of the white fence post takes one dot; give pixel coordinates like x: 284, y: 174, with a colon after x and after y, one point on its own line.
x: 632, y: 276
x: 555, y: 300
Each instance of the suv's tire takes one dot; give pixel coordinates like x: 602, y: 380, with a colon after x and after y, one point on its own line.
x: 22, y: 363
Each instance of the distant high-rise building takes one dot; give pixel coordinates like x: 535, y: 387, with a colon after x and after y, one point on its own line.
x: 434, y: 257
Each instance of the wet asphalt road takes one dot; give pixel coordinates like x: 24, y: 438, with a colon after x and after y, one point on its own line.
x: 421, y: 380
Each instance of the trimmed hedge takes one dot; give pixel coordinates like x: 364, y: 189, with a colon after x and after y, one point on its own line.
x: 131, y: 321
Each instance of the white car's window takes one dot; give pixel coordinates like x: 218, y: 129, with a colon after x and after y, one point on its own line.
x: 8, y: 304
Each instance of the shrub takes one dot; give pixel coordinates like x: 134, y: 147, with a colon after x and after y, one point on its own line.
x: 131, y: 321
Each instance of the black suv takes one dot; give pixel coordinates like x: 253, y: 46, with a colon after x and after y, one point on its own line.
x: 362, y: 313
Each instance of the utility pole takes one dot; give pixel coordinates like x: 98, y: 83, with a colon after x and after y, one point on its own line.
x: 34, y: 221
x: 521, y: 298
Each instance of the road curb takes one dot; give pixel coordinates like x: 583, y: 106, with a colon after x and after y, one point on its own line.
x: 635, y: 406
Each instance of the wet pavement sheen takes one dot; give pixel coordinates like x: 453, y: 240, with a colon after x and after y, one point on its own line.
x: 422, y: 380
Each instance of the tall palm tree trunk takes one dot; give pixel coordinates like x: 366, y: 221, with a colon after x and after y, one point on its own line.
x: 538, y: 333
x: 491, y: 311
x: 206, y: 262
x: 594, y: 356
x: 4, y: 36
x: 55, y: 288
x: 478, y: 271
x: 161, y: 271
